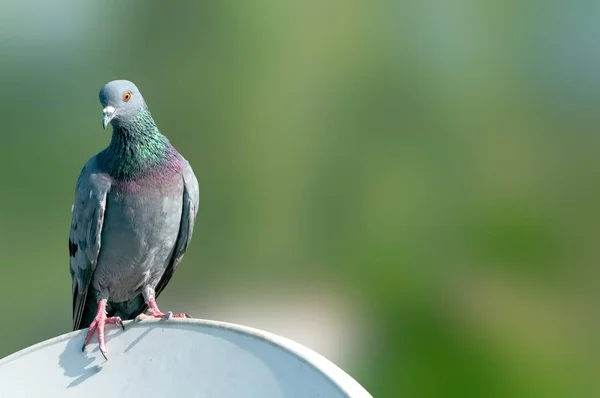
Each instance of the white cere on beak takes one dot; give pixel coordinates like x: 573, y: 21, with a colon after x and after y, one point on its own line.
x: 109, y: 113
x: 109, y: 110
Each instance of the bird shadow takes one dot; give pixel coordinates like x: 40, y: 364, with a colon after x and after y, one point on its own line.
x: 137, y: 340
x: 141, y: 336
x: 77, y: 365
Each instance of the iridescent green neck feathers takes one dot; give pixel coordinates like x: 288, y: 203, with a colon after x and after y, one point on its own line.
x: 136, y: 147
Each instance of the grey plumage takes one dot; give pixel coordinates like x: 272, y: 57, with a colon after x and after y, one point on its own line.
x: 135, y: 207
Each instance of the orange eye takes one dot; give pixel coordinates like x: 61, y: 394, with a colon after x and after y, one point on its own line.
x: 126, y: 96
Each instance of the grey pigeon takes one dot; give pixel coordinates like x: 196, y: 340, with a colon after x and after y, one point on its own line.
x: 135, y: 207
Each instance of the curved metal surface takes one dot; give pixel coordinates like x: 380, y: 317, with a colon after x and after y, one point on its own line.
x: 179, y: 358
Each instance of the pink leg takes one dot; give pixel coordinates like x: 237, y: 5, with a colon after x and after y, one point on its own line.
x: 156, y: 313
x: 98, y: 324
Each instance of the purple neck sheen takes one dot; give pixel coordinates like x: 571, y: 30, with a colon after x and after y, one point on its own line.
x: 139, y: 153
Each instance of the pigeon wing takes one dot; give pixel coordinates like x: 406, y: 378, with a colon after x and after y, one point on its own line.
x: 86, y: 230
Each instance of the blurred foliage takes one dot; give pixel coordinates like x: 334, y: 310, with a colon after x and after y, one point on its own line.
x: 433, y: 162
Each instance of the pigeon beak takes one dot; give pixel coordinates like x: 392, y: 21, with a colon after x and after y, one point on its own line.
x: 109, y: 114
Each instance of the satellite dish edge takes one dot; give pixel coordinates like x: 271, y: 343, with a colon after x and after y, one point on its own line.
x: 178, y: 357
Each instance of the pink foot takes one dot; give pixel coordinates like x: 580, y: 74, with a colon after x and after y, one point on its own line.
x: 98, y: 324
x: 156, y: 313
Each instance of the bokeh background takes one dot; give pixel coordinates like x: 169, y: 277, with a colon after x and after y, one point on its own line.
x: 409, y: 188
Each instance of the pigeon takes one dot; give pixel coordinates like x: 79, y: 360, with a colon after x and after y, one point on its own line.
x: 132, y: 220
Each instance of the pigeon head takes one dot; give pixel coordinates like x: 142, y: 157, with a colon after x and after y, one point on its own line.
x: 122, y: 102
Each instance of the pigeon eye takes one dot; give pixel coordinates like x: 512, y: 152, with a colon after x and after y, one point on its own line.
x: 126, y: 96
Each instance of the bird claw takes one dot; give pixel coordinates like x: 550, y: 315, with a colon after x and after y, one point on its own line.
x: 97, y: 326
x: 103, y: 352
x: 154, y: 312
x: 159, y: 315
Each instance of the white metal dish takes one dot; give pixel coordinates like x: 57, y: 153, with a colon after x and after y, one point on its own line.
x: 175, y: 358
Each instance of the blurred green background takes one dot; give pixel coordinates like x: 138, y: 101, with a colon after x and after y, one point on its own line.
x: 409, y: 188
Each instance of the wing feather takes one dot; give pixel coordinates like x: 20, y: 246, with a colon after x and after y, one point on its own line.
x: 86, y: 230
